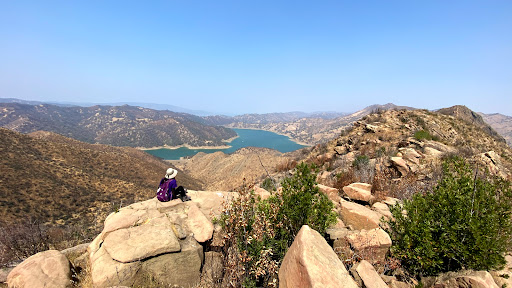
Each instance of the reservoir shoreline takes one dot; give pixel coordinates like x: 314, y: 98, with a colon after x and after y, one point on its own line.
x: 245, y: 138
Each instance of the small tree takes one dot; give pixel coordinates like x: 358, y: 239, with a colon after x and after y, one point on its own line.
x: 258, y: 233
x: 464, y: 223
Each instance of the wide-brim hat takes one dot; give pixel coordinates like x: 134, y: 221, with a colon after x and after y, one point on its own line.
x: 171, y: 173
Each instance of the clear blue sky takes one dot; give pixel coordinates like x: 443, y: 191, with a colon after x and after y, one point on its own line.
x: 260, y: 56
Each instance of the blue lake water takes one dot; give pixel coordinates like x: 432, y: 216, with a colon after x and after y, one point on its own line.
x: 246, y: 138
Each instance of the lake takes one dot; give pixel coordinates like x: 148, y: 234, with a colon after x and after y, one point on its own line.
x: 246, y: 138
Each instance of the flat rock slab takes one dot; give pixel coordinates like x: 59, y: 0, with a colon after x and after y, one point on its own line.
x: 373, y: 244
x: 140, y: 242
x: 358, y: 216
x: 359, y: 191
x: 44, y: 269
x: 311, y: 262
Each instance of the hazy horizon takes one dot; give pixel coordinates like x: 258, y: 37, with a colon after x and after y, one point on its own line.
x: 260, y: 57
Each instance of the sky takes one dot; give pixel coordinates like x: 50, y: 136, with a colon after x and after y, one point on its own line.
x: 260, y: 56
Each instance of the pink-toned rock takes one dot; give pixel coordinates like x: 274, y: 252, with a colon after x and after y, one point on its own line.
x: 400, y: 164
x: 373, y: 244
x: 44, y: 269
x: 366, y: 276
x: 199, y: 224
x: 332, y: 193
x: 359, y: 191
x: 154, y: 237
x: 358, y: 216
x: 311, y: 262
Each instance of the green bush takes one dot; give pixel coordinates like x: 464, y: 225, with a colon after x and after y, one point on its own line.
x: 422, y: 134
x: 258, y: 233
x: 464, y: 223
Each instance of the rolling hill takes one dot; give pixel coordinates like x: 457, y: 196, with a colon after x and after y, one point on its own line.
x: 114, y: 125
x: 55, y: 179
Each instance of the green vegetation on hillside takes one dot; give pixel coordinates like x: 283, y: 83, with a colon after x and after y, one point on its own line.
x: 464, y: 223
x: 260, y: 232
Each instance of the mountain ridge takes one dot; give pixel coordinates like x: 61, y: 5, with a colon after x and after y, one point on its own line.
x: 114, y: 125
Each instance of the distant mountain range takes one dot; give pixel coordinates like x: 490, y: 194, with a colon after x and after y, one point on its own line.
x: 114, y: 125
x: 193, y: 130
x: 153, y: 106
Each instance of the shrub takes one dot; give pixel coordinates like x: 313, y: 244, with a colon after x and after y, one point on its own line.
x: 464, y: 223
x: 258, y: 233
x: 422, y: 134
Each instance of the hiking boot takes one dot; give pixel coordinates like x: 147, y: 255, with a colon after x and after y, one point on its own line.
x: 185, y: 198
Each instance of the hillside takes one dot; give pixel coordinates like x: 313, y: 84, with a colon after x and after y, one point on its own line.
x: 114, y: 125
x: 464, y: 113
x: 308, y: 129
x: 501, y: 123
x: 400, y: 151
x: 55, y: 179
x: 221, y: 171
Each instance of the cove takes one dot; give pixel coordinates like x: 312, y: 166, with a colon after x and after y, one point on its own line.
x: 246, y: 138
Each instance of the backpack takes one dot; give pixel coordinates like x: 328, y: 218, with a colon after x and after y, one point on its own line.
x: 163, y: 193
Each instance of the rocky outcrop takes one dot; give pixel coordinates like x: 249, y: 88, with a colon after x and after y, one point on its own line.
x: 152, y: 238
x: 358, y: 216
x: 359, y: 191
x: 44, y: 269
x: 311, y: 262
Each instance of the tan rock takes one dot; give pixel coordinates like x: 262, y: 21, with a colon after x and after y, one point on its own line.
x: 44, y: 269
x: 359, y: 191
x: 373, y: 244
x: 311, y: 262
x: 264, y: 194
x: 429, y: 151
x: 332, y: 193
x: 199, y: 224
x: 474, y: 279
x: 401, y: 165
x: 140, y: 242
x: 411, y: 155
x: 366, y: 276
x: 358, y: 216
x: 382, y: 209
x: 390, y: 201
x: 107, y: 272
x: 182, y: 269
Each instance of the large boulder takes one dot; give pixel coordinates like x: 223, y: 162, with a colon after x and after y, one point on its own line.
x: 44, y: 269
x: 366, y: 276
x: 358, y: 216
x: 359, y: 191
x: 151, y: 239
x: 372, y: 245
x: 311, y: 262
